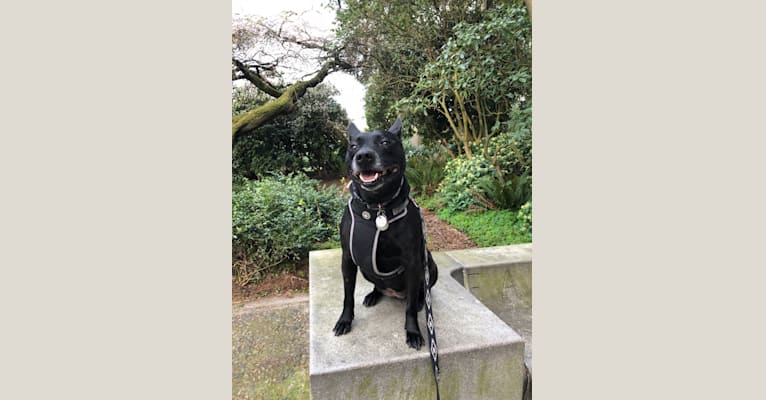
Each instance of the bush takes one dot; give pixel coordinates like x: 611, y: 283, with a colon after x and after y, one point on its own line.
x: 476, y: 182
x: 276, y: 220
x: 425, y: 169
x: 511, y: 193
x: 510, y: 147
x: 524, y: 218
x: 267, y: 152
x: 461, y: 177
x: 511, y: 152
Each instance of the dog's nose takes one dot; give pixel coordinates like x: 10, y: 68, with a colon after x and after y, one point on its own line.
x: 363, y: 156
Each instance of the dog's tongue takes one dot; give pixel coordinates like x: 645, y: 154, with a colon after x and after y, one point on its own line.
x: 368, y: 177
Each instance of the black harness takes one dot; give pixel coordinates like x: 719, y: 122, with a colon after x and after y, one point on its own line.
x: 365, y: 234
x: 366, y: 229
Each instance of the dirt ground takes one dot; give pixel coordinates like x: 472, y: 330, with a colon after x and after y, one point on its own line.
x: 440, y: 236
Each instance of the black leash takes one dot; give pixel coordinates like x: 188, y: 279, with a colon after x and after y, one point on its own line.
x: 431, y: 331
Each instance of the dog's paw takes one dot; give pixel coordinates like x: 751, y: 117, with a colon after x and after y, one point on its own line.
x: 415, y: 340
x: 342, y: 327
x: 372, y: 298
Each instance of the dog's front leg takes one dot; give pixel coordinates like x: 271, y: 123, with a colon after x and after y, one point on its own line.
x: 343, y: 326
x: 414, y: 286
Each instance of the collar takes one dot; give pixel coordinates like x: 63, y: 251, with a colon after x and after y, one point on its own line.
x: 391, y: 207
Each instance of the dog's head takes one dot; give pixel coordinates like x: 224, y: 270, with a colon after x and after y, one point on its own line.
x: 375, y: 160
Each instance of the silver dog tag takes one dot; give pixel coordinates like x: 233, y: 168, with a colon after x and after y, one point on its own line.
x: 381, y: 222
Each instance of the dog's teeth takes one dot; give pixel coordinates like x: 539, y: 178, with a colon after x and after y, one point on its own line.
x: 369, y: 177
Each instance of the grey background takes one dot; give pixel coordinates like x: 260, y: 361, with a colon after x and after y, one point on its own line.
x: 115, y: 164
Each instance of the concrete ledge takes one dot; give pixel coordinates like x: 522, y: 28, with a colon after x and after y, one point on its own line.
x: 501, y: 278
x: 480, y: 356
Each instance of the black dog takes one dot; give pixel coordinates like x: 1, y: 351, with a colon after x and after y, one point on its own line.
x: 382, y: 229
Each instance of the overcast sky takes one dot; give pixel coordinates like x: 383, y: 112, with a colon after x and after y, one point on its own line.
x: 351, y: 91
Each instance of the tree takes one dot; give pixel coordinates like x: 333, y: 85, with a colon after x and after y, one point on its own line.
x: 265, y: 52
x: 392, y: 41
x: 310, y: 140
x: 482, y: 72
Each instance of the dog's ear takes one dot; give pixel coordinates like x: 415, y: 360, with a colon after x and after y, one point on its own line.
x: 352, y: 129
x: 396, y: 128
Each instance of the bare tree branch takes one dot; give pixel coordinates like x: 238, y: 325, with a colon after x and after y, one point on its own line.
x: 264, y: 51
x: 256, y: 79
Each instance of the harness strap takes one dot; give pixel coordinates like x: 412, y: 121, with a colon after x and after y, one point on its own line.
x: 366, y: 227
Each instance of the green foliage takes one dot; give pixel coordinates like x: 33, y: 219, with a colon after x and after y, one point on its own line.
x: 511, y: 193
x: 425, y: 168
x: 278, y: 219
x: 490, y: 228
x: 393, y: 41
x: 511, y: 154
x: 476, y: 182
x: 461, y: 177
x: 524, y: 219
x: 311, y: 140
x: 427, y: 202
x: 480, y: 74
x: 380, y: 110
x: 499, y: 174
x: 511, y: 149
x: 518, y: 122
x: 377, y: 105
x: 491, y: 58
x: 245, y: 98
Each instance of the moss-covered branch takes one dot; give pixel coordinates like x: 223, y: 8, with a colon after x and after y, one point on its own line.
x: 248, y: 122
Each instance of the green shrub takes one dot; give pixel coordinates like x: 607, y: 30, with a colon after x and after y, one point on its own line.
x: 524, y: 219
x: 476, y: 182
x: 277, y: 220
x: 267, y: 152
x: 425, y: 169
x: 510, y: 193
x: 461, y: 177
x: 510, y: 147
x: 511, y: 152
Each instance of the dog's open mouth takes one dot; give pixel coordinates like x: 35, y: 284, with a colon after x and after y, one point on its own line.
x: 370, y: 177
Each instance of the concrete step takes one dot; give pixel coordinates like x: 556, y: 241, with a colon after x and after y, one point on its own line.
x: 480, y: 356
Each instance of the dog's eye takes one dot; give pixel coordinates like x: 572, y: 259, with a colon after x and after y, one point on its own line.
x: 385, y: 142
x: 352, y: 146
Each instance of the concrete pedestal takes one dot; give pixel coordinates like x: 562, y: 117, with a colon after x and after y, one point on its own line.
x: 480, y: 356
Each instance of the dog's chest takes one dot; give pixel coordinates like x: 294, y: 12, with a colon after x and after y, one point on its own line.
x: 383, y: 253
